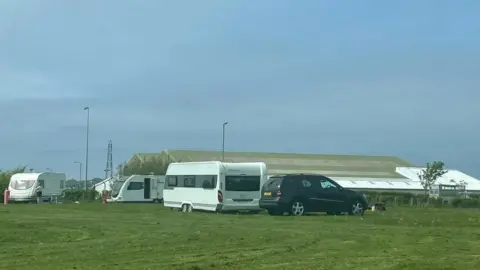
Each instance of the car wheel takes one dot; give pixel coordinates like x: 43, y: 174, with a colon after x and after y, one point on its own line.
x: 274, y: 212
x: 356, y: 209
x: 297, y: 208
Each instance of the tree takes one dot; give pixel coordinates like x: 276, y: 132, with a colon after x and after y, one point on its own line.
x: 157, y: 166
x: 96, y: 180
x: 429, y: 175
x: 5, y: 178
x: 463, y: 187
x: 71, y: 184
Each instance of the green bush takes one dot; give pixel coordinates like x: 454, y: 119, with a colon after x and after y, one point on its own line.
x: 466, y: 203
x: 474, y: 196
x: 403, y: 199
x: 74, y: 195
x: 394, y: 198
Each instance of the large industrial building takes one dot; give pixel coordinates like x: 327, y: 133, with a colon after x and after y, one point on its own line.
x: 380, y: 173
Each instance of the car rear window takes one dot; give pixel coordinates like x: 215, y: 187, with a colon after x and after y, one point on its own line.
x: 273, y: 183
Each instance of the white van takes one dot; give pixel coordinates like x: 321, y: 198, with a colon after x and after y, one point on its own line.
x: 138, y: 188
x: 214, y: 186
x: 22, y: 186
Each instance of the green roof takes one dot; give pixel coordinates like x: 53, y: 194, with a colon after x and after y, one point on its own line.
x: 278, y: 163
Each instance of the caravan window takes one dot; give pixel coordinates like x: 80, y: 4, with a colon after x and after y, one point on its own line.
x: 208, y: 181
x: 135, y: 186
x: 116, y: 188
x: 242, y: 183
x: 171, y: 181
x: 189, y: 181
x: 22, y: 184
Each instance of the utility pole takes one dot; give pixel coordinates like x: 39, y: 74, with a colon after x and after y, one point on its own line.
x: 86, y: 150
x: 223, y: 141
x: 109, y: 167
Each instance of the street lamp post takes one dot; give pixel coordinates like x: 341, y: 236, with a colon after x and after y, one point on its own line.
x: 80, y: 171
x: 223, y: 141
x: 86, y: 150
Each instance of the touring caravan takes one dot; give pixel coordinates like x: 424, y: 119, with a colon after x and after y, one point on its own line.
x: 22, y: 186
x: 105, y: 185
x: 138, y: 189
x: 214, y: 186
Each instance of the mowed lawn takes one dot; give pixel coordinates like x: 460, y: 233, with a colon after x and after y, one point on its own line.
x: 95, y: 236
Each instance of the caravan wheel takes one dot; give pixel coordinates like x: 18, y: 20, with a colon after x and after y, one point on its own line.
x: 184, y: 208
x: 189, y: 208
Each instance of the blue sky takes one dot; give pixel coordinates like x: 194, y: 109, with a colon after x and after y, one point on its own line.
x: 353, y: 77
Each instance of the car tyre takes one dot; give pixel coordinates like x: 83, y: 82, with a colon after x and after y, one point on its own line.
x: 356, y: 209
x: 297, y: 208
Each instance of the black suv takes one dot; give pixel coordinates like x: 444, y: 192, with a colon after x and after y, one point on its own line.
x: 298, y: 194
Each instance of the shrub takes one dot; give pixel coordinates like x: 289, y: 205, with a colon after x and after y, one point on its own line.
x: 73, y: 195
x: 466, y: 203
x: 403, y: 199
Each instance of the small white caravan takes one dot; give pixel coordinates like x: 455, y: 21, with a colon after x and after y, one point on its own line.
x: 214, y: 186
x: 138, y: 189
x: 105, y: 185
x: 22, y: 186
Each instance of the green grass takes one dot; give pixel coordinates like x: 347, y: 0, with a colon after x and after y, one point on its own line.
x: 95, y: 236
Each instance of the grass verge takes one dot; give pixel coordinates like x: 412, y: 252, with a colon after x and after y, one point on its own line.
x: 95, y: 236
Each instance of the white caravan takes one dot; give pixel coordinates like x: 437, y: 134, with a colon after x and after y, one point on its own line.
x: 214, y: 186
x: 138, y: 189
x: 22, y: 186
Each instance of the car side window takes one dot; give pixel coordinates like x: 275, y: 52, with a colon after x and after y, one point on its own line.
x: 325, y: 183
x: 304, y: 183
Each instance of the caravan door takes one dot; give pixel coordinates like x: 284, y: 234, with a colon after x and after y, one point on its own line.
x: 147, y: 188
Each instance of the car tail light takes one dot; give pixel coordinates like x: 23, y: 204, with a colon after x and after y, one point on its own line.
x: 220, y: 197
x: 279, y: 193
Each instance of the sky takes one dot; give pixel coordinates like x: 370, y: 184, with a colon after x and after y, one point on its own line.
x: 329, y: 77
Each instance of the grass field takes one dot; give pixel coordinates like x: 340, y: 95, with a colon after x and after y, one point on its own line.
x: 95, y: 236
